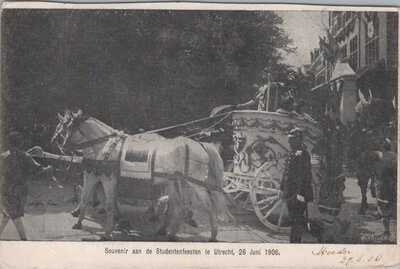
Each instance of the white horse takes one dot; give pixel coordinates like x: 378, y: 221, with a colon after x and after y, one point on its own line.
x: 176, y: 160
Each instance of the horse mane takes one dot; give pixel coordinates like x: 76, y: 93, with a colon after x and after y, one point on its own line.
x: 106, y: 128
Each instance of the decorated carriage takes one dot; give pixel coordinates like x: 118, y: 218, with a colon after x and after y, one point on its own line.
x: 252, y: 179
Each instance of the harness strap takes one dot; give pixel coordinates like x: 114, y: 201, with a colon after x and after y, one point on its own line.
x: 104, y: 165
x: 190, y: 179
x: 330, y: 208
x: 186, y: 168
x: 89, y: 143
x: 112, y: 146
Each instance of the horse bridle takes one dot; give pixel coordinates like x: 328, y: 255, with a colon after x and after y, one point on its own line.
x: 92, y: 142
x: 86, y: 144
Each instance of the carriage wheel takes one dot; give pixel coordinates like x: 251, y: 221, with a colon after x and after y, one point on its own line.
x: 270, y: 209
x: 237, y: 189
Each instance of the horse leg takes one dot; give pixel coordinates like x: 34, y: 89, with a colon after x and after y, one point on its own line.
x: 213, y: 219
x: 163, y: 229
x: 156, y: 193
x: 78, y: 193
x: 214, y: 226
x: 109, y: 184
x: 206, y: 197
x: 89, y: 181
x: 372, y: 187
x: 117, y: 212
x: 188, y: 212
x: 175, y: 216
x: 363, y: 183
x: 95, y: 200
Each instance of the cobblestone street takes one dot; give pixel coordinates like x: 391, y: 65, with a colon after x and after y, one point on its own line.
x: 47, y: 218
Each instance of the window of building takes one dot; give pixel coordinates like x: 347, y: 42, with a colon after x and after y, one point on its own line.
x: 339, y: 22
x: 348, y: 15
x: 334, y: 22
x: 372, y: 40
x: 343, y: 51
x: 353, y: 56
x: 344, y: 18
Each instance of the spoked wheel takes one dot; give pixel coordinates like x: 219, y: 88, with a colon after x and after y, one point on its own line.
x: 237, y: 189
x: 270, y: 209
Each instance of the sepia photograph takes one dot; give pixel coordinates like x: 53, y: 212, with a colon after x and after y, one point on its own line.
x: 199, y: 125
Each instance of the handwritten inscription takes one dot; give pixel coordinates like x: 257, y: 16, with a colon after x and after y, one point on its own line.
x: 347, y: 257
x: 370, y: 259
x: 324, y: 251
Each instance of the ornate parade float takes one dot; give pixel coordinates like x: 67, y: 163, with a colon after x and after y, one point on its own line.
x: 260, y: 146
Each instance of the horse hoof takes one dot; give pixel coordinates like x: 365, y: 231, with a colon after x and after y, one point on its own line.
x: 95, y: 203
x: 161, y: 232
x: 212, y: 240
x: 171, y: 238
x: 124, y: 225
x: 102, y: 211
x: 75, y: 213
x: 154, y: 218
x: 192, y: 223
x: 77, y: 226
x: 117, y: 218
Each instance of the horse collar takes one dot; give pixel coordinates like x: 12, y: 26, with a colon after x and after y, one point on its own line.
x: 89, y: 143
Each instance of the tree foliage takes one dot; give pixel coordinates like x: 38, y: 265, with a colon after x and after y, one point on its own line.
x: 135, y: 69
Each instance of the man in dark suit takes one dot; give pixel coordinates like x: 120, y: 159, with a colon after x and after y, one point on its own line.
x: 296, y: 186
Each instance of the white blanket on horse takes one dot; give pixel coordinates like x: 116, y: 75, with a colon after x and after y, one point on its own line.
x: 145, y: 159
x: 137, y: 158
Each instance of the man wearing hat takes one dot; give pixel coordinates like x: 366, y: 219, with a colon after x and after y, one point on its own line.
x: 296, y: 186
x: 16, y: 166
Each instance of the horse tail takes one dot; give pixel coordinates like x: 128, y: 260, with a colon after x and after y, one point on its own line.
x: 216, y: 176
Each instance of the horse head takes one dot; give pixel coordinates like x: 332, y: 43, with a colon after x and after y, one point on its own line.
x: 67, y: 128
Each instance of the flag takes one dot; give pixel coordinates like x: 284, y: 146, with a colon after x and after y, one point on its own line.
x: 328, y: 51
x: 332, y: 45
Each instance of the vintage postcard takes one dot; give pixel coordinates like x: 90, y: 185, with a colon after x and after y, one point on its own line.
x: 198, y: 135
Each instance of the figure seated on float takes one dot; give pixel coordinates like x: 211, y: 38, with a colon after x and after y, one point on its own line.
x: 290, y: 108
x: 299, y: 112
x: 268, y: 95
x: 286, y: 107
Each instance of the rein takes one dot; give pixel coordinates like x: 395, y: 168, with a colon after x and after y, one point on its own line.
x: 89, y: 143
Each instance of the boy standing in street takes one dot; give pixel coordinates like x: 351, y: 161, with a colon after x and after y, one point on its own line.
x: 16, y: 166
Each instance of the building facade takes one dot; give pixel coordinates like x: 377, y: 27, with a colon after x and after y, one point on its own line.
x: 318, y: 66
x: 368, y: 42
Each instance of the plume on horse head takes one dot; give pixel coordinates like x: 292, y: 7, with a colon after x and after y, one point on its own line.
x: 69, y: 115
x: 65, y: 122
